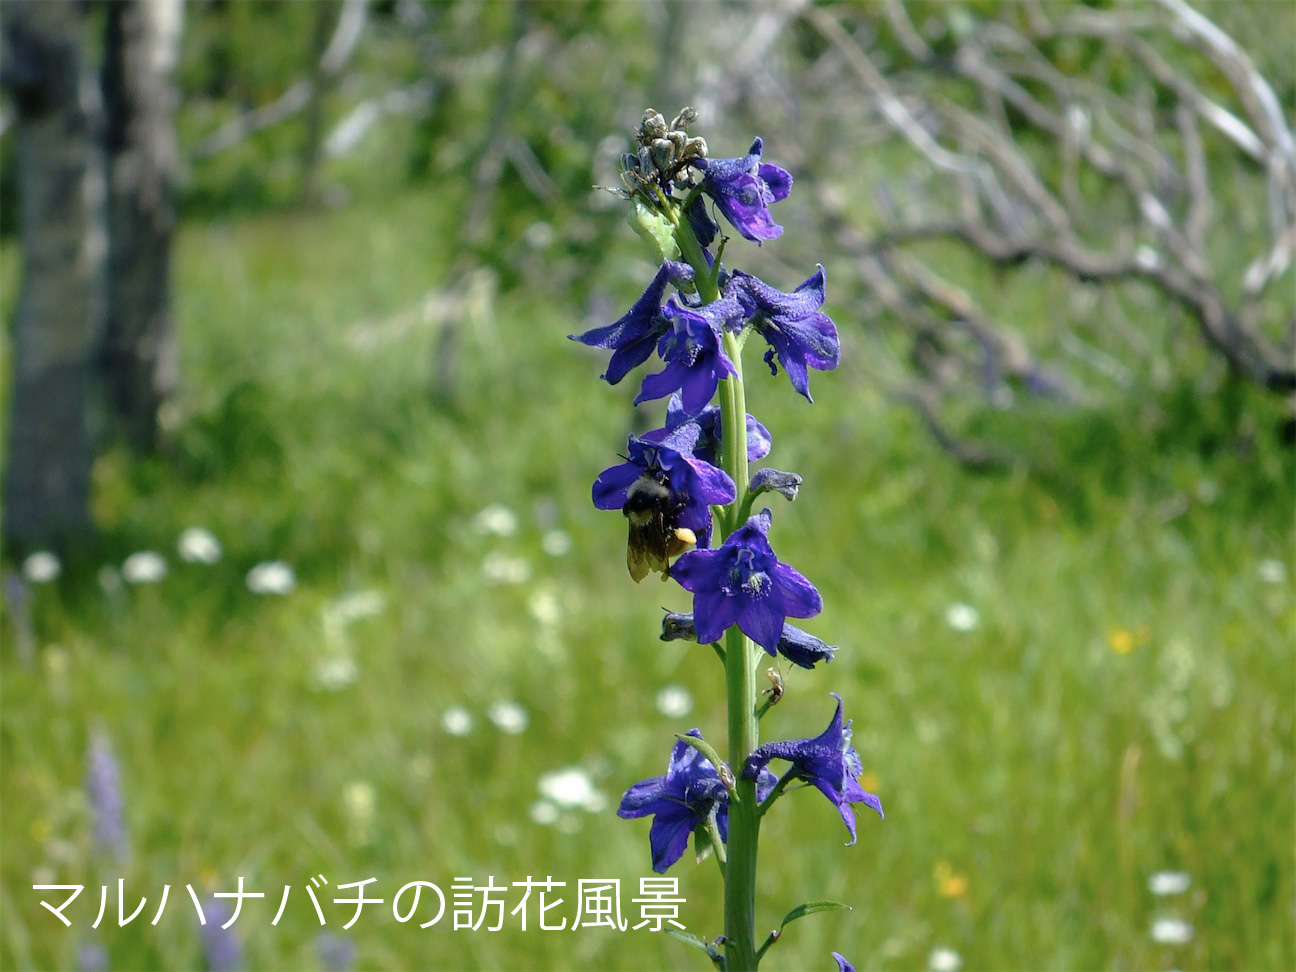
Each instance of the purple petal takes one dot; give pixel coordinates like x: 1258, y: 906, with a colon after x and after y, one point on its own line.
x: 668, y: 837
x: 762, y: 622
x: 711, y: 483
x: 609, y: 491
x: 799, y: 597
x: 713, y: 615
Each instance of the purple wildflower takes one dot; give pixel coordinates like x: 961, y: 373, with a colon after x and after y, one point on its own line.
x: 103, y: 788
x: 695, y: 361
x: 744, y: 189
x: 827, y: 762
x: 708, y: 420
x: 336, y: 954
x: 797, y: 332
x: 633, y: 337
x: 743, y: 583
x: 664, y: 490
x: 221, y: 946
x: 687, y: 797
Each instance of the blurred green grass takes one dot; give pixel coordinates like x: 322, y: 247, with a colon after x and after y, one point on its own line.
x: 1034, y: 778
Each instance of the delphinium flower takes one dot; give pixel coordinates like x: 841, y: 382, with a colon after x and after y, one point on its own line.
x: 689, y: 796
x: 798, y: 334
x: 707, y: 446
x: 666, y: 493
x: 92, y: 956
x: 221, y: 946
x: 633, y: 338
x: 681, y: 482
x: 104, y: 793
x: 336, y: 954
x: 827, y: 762
x: 695, y: 359
x: 743, y: 583
x: 744, y: 188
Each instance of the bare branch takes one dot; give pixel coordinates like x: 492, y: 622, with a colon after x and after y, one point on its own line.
x: 1106, y: 186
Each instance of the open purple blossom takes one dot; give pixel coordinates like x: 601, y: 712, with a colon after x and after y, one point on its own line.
x: 695, y: 485
x: 708, y: 420
x: 797, y: 333
x: 799, y: 647
x: 743, y: 583
x: 827, y: 762
x: 744, y: 189
x: 633, y: 337
x: 695, y: 361
x: 687, y: 797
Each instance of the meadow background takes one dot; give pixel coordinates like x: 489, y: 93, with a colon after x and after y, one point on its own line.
x: 1066, y: 676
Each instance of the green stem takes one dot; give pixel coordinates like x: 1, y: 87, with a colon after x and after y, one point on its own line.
x: 740, y: 682
x: 739, y: 653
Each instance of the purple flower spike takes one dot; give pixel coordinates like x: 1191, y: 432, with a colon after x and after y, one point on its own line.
x: 744, y: 189
x: 797, y: 333
x: 743, y: 583
x: 681, y: 801
x: 633, y: 337
x: 842, y: 964
x: 827, y: 762
x: 695, y: 362
x: 103, y: 787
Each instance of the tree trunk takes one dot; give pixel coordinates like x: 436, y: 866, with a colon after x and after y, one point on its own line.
x: 139, y: 350
x: 59, y: 312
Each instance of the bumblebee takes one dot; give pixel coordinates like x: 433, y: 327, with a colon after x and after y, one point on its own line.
x: 655, y: 536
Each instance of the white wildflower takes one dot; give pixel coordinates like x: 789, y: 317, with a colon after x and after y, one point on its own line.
x: 457, y: 721
x: 571, y: 787
x: 508, y: 717
x: 271, y: 577
x: 1164, y: 883
x: 496, y: 520
x: 144, y: 567
x: 198, y: 545
x: 556, y: 543
x: 1272, y: 571
x: 500, y: 568
x: 962, y: 617
x: 41, y: 567
x: 674, y: 702
x: 1171, y: 931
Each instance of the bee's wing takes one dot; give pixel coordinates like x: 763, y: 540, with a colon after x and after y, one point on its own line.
x: 646, y: 548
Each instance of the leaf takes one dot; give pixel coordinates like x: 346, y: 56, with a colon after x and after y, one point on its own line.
x: 809, y: 908
x: 800, y: 911
x: 688, y: 939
